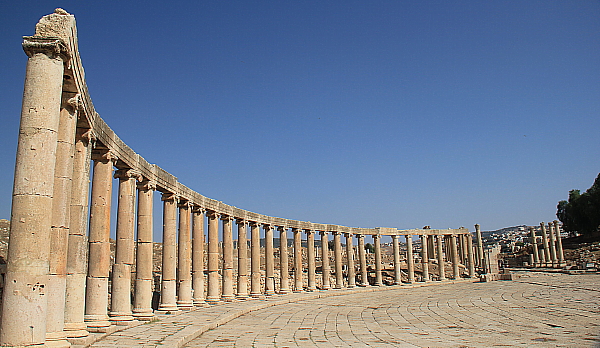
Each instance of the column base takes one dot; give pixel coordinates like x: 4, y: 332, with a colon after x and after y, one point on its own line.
x: 97, y: 323
x: 185, y: 306
x: 284, y: 291
x: 76, y: 330
x: 143, y: 315
x: 255, y: 294
x: 57, y: 340
x: 167, y: 309
x: 270, y: 292
x: 241, y: 297
x: 199, y: 302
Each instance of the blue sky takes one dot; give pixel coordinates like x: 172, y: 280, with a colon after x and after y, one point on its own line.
x: 385, y: 113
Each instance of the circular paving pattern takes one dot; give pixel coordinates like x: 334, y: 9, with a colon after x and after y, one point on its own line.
x: 537, y: 309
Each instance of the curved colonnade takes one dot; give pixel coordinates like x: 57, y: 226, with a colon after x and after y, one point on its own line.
x: 61, y: 283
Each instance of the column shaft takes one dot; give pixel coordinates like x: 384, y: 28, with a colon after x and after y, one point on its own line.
x: 227, y: 272
x: 168, y: 291
x: 24, y: 310
x: 397, y: 270
x: 480, y: 256
x: 378, y: 275
x: 242, y: 281
x: 121, y: 271
x: 547, y: 258
x: 310, y: 255
x: 410, y: 260
x: 78, y: 243
x: 255, y: 275
x: 552, y: 245
x: 425, y: 257
x: 350, y: 261
x: 284, y: 271
x: 470, y: 258
x: 269, y: 261
x: 96, y: 297
x: 454, y: 253
x: 184, y: 259
x: 536, y: 256
x: 337, y: 251
x: 213, y: 295
x: 362, y: 258
x: 561, y: 255
x: 297, y: 260
x: 198, y: 256
x: 142, y: 301
x: 440, y: 255
x: 325, y: 260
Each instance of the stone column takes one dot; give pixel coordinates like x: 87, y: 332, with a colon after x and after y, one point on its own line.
x: 397, y: 270
x: 440, y: 255
x: 184, y: 259
x: 269, y: 261
x: 545, y: 244
x: 284, y: 271
x: 470, y: 258
x: 552, y: 245
x: 120, y: 296
x: 310, y: 255
x: 198, y: 255
x: 561, y: 255
x: 213, y: 295
x: 24, y: 302
x: 297, y: 259
x: 61, y: 201
x: 242, y: 281
x: 96, y: 296
x: 337, y: 252
x: 227, y: 272
x: 454, y: 253
x: 362, y: 258
x: 480, y: 256
x: 142, y: 301
x: 536, y: 256
x: 410, y: 260
x: 325, y: 260
x: 168, y: 291
x: 78, y: 243
x: 255, y: 259
x: 350, y: 260
x: 425, y: 257
x: 378, y: 277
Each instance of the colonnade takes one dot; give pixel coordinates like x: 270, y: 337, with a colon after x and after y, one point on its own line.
x: 61, y: 283
x: 550, y: 252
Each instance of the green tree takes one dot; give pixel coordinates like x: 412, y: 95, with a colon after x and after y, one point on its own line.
x: 369, y: 248
x: 581, y: 213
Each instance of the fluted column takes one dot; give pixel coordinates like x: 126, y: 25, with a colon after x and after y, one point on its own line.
x: 269, y: 261
x: 310, y: 255
x: 121, y: 272
x: 454, y: 253
x: 284, y: 271
x: 350, y: 261
x: 168, y: 286
x: 470, y: 258
x: 397, y: 270
x: 552, y: 245
x: 362, y: 258
x: 78, y: 243
x: 337, y: 252
x: 227, y: 272
x: 547, y: 259
x: 425, y: 257
x: 410, y: 260
x: 559, y: 247
x: 378, y: 276
x: 24, y: 309
x: 255, y: 259
x: 213, y: 294
x: 536, y: 256
x: 142, y: 301
x: 96, y: 297
x: 440, y: 255
x: 325, y: 260
x: 480, y: 256
x: 61, y: 200
x: 242, y: 280
x: 198, y: 255
x: 184, y: 259
x: 297, y: 259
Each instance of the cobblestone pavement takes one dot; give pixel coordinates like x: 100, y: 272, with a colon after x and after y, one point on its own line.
x: 537, y: 309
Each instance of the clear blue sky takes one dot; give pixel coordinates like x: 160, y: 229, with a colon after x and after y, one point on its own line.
x: 384, y: 113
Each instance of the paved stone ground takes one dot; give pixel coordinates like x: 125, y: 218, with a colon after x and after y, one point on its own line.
x: 538, y: 309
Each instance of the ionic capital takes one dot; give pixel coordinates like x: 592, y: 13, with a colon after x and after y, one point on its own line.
x: 104, y: 156
x: 254, y: 224
x: 146, y: 185
x: 211, y: 214
x: 50, y: 46
x: 225, y: 217
x: 184, y: 203
x: 126, y: 174
x: 240, y: 221
x: 281, y: 228
x: 169, y: 197
x: 197, y: 209
x: 75, y: 102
